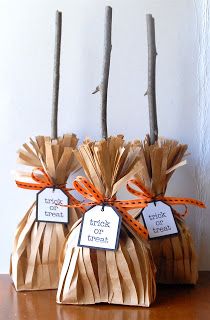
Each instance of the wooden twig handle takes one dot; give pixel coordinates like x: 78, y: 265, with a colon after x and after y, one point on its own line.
x: 56, y: 75
x: 103, y: 87
x: 151, y: 91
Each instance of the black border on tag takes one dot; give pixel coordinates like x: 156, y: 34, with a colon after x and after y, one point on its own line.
x: 118, y: 230
x: 37, y: 195
x: 164, y: 236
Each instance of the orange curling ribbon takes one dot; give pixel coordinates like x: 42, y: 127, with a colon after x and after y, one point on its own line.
x: 43, y: 180
x: 147, y: 196
x: 88, y: 191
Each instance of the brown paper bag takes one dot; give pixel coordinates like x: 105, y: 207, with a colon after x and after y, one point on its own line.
x: 125, y: 276
x: 37, y: 245
x: 174, y: 256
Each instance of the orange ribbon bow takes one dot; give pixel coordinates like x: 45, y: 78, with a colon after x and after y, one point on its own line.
x: 146, y: 195
x: 88, y: 190
x: 43, y: 180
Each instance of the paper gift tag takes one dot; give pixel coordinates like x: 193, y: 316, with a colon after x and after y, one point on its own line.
x: 159, y: 220
x: 100, y: 228
x: 49, y: 206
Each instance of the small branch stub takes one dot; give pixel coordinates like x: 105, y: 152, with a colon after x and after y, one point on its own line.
x: 96, y: 90
x: 151, y: 90
x: 103, y: 87
x: 56, y: 75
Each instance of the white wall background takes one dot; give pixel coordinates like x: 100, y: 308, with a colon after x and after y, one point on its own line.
x: 26, y: 63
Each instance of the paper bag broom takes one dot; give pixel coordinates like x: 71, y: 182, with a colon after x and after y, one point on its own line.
x: 125, y: 275
x: 175, y: 256
x: 37, y: 245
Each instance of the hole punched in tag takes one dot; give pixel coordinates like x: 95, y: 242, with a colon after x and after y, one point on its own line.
x: 103, y: 205
x: 156, y: 200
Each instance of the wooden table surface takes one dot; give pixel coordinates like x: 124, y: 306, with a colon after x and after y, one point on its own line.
x: 173, y: 302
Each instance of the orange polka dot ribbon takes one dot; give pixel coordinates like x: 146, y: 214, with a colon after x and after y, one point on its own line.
x: 43, y: 180
x: 90, y: 192
x: 145, y: 195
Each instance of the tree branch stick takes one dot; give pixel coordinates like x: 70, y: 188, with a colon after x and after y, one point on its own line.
x: 151, y: 91
x: 103, y: 87
x: 56, y: 75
